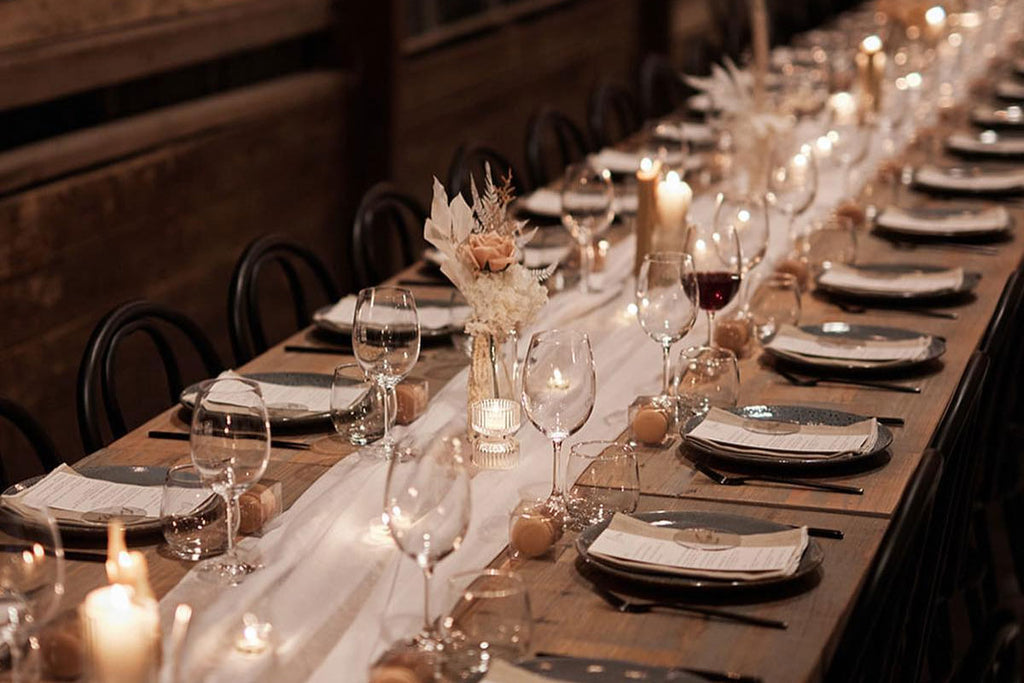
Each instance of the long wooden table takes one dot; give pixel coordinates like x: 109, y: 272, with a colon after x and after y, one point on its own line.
x: 570, y: 618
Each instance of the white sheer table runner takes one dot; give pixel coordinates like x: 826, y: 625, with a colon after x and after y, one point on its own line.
x: 333, y: 588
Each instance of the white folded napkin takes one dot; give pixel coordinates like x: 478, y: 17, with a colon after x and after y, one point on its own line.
x: 621, y: 161
x: 71, y: 495
x: 985, y: 144
x: 500, y: 671
x: 548, y: 202
x: 342, y: 313
x: 700, y: 552
x: 926, y: 222
x: 1010, y: 90
x: 697, y: 133
x: 989, y: 181
x: 725, y: 431
x: 915, y: 282
x: 285, y: 397
x: 794, y: 340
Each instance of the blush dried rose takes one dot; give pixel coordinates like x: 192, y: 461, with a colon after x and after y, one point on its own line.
x: 489, y: 251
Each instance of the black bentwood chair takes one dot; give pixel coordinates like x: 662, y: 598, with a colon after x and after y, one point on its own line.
x: 97, y: 387
x: 248, y: 336
x: 469, y: 164
x: 33, y: 432
x: 386, y: 234
x: 553, y: 142
x: 662, y: 88
x: 612, y: 114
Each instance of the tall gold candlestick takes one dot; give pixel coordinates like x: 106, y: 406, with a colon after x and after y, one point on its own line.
x: 646, y: 209
x: 871, y: 73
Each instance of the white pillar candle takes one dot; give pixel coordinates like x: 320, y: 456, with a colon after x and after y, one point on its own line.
x: 673, y: 198
x: 122, y: 636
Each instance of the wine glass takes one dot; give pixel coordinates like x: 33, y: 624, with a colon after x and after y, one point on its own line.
x: 793, y: 181
x: 230, y: 445
x: 490, y: 618
x: 386, y: 343
x: 559, y: 386
x: 31, y: 587
x: 849, y: 134
x: 427, y: 505
x: 666, y: 302
x: 588, y: 199
x: 718, y: 264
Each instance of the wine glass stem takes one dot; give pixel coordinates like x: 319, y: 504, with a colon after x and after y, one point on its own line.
x: 230, y: 501
x: 556, y: 457
x: 666, y: 367
x: 385, y: 399
x: 585, y: 261
x: 428, y: 628
x: 711, y: 327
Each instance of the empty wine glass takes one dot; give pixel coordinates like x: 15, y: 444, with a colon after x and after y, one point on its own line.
x: 718, y: 264
x: 386, y: 343
x: 775, y: 302
x: 559, y: 386
x: 490, y: 618
x: 666, y: 302
x: 427, y: 506
x: 849, y: 134
x: 708, y: 378
x: 587, y: 210
x: 230, y: 445
x: 748, y: 216
x: 31, y: 587
x: 793, y: 181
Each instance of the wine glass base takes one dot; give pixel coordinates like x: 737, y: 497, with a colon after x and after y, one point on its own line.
x: 227, y: 570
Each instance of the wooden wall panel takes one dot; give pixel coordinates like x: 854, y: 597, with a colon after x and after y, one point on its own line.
x: 165, y: 222
x: 486, y: 86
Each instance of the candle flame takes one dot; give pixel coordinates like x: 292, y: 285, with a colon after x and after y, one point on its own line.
x: 646, y: 165
x: 872, y: 44
x: 935, y: 16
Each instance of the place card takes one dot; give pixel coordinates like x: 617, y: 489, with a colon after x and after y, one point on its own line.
x: 66, y: 490
x: 700, y: 552
x: 794, y: 340
x: 882, y: 282
x: 959, y: 179
x: 985, y: 143
x: 721, y: 428
x: 929, y: 221
x: 431, y: 317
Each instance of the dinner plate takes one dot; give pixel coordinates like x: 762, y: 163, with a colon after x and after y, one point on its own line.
x: 986, y: 144
x: 345, y: 329
x: 841, y: 331
x: 933, y: 233
x: 956, y: 180
x: 283, y: 419
x: 789, y: 462
x: 969, y: 282
x: 584, y: 670
x: 988, y: 117
x: 653, y: 578
x: 96, y: 526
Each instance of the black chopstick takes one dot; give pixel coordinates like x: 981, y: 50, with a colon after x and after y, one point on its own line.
x: 182, y: 436
x: 332, y: 350
x: 822, y: 532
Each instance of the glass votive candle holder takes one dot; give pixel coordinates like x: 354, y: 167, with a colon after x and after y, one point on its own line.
x: 533, y: 527
x: 192, y: 517
x: 494, y: 423
x: 357, y: 406
x: 652, y: 420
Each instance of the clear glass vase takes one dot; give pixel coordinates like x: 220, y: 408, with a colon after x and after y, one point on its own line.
x: 493, y: 370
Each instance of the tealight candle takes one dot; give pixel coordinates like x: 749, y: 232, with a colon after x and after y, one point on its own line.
x: 494, y: 422
x: 558, y: 381
x: 844, y: 108
x: 255, y: 636
x: 122, y: 635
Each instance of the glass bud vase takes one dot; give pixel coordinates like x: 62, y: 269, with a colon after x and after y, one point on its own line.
x: 493, y: 368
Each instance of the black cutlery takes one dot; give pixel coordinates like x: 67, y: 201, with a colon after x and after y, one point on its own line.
x: 821, y: 532
x: 642, y: 607
x: 183, y: 436
x: 891, y: 421
x: 406, y: 282
x: 926, y: 312
x: 735, y: 480
x: 871, y: 384
x: 717, y: 676
x: 331, y: 350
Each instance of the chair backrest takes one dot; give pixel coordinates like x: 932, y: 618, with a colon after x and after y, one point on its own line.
x: 880, y: 608
x: 546, y: 161
x: 469, y: 163
x: 97, y: 387
x: 388, y: 225
x: 612, y: 113
x: 248, y: 336
x: 33, y: 433
x: 662, y: 88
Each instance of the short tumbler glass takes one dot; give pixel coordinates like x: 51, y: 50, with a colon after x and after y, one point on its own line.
x: 605, y: 479
x: 191, y: 515
x: 356, y: 408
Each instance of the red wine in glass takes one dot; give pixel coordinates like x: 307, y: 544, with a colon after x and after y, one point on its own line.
x: 716, y: 289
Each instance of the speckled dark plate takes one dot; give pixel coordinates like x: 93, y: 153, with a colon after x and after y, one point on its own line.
x: 969, y: 282
x: 789, y: 462
x: 285, y: 419
x: 811, y: 560
x: 582, y: 670
x: 846, y: 331
x: 119, y: 474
